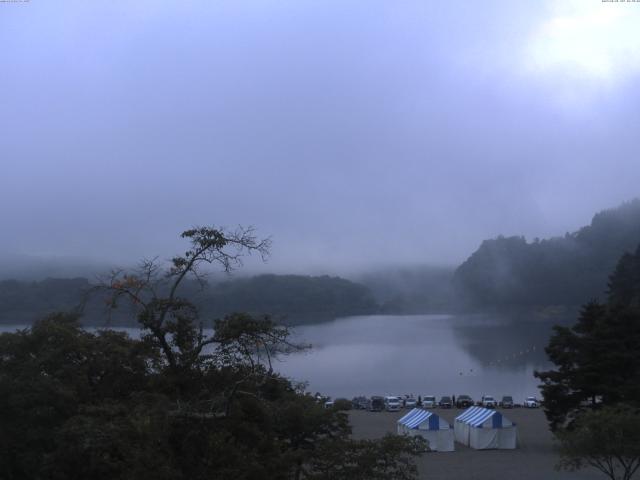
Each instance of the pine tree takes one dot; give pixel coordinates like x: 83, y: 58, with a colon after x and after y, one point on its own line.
x: 597, y: 360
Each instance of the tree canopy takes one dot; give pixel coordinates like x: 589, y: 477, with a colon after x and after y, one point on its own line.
x: 597, y: 360
x: 175, y: 403
x: 607, y: 439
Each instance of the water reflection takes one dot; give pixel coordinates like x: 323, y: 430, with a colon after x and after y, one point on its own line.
x: 503, y: 342
x: 422, y: 354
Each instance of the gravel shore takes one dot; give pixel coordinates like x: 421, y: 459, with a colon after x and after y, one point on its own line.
x: 534, y: 459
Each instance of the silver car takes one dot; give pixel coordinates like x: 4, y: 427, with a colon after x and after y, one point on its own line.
x: 392, y: 404
x: 429, y: 401
x: 410, y: 402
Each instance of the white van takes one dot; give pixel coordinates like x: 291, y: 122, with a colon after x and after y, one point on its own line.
x: 488, y: 401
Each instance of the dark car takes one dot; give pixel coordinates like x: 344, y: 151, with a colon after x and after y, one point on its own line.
x: 445, y: 402
x: 507, y: 401
x: 464, y: 401
x: 360, y: 403
x: 376, y: 404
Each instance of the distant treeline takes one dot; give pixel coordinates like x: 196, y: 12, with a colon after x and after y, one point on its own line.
x: 511, y: 272
x: 290, y: 298
x: 296, y: 297
x: 504, y: 273
x: 24, y: 302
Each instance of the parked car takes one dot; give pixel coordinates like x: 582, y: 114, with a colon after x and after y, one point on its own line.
x: 488, y: 401
x: 507, y: 401
x: 429, y: 401
x: 329, y: 404
x: 531, y: 402
x: 360, y: 403
x: 464, y: 401
x: 445, y: 402
x: 376, y: 404
x: 410, y: 402
x: 392, y: 404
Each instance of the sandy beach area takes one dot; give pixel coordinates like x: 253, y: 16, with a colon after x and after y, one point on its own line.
x: 534, y: 459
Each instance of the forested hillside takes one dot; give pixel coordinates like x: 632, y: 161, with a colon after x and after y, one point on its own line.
x: 295, y: 296
x: 24, y: 302
x: 509, y: 271
x: 291, y: 298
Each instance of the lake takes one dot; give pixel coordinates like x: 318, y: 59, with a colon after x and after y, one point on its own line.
x: 419, y: 354
x: 422, y: 354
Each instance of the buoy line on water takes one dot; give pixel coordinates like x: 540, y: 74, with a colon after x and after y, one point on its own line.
x: 514, y: 356
x: 500, y: 361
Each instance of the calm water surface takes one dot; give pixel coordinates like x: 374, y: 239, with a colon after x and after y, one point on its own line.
x: 419, y: 354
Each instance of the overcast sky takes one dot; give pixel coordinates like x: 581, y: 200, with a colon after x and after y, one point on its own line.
x: 355, y: 133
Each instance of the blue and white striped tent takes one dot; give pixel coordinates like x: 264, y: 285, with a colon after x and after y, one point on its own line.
x: 435, y: 430
x: 482, y: 428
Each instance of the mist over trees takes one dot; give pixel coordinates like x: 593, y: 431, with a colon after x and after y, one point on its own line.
x: 409, y: 290
x: 504, y: 273
x: 511, y: 272
x: 28, y: 268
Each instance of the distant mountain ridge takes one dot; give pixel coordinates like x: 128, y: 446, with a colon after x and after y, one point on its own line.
x: 569, y: 270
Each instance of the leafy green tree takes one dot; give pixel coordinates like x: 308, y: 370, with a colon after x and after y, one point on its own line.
x: 48, y: 374
x: 390, y: 457
x: 176, y: 403
x: 607, y: 439
x: 170, y: 322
